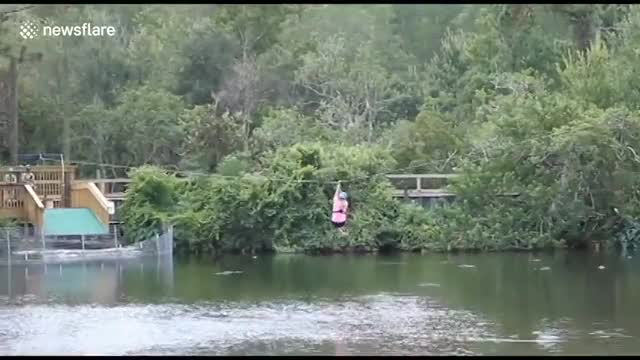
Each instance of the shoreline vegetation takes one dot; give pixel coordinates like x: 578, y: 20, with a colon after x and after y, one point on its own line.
x: 285, y: 209
x: 535, y: 99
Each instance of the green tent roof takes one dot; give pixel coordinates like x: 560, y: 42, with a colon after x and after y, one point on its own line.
x: 60, y: 222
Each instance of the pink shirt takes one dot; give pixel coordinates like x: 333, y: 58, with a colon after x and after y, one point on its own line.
x: 337, y: 216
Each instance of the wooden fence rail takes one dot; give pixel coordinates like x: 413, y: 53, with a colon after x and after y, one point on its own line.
x: 412, y: 185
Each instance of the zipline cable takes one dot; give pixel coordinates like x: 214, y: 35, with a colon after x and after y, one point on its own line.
x: 196, y: 173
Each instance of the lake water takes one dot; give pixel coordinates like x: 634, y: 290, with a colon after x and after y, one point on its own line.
x: 520, y: 304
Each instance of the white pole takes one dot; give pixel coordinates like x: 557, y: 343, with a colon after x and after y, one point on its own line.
x: 82, y: 239
x: 170, y: 234
x: 9, y: 276
x: 115, y: 235
x: 9, y: 247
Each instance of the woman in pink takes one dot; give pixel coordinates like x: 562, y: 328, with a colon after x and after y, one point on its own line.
x: 340, y: 208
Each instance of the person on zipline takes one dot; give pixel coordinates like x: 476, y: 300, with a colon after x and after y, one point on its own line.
x: 340, y: 208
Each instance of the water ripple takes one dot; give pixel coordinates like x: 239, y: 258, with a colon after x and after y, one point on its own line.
x: 353, y: 326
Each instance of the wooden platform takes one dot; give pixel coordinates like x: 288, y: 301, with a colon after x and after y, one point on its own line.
x: 422, y: 176
x: 424, y: 193
x: 119, y: 196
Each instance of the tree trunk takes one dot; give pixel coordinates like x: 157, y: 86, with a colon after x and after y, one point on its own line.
x: 583, y: 32
x: 245, y: 132
x: 13, y: 110
x: 66, y: 125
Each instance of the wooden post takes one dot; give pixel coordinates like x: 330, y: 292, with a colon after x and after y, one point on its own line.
x: 100, y: 184
x: 115, y: 235
x: 42, y: 238
x: 63, y: 188
x: 67, y: 187
x: 9, y: 277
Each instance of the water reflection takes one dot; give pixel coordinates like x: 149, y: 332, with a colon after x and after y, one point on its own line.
x: 339, y: 305
x: 95, y: 282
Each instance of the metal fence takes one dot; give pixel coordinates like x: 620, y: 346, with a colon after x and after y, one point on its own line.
x: 15, y: 240
x: 20, y: 244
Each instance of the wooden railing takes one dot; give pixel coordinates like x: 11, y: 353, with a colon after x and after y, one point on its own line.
x: 11, y: 201
x: 34, y: 208
x: 87, y: 195
x: 113, y: 189
x: 415, y: 185
x: 48, y: 180
x: 22, y: 203
x: 422, y: 185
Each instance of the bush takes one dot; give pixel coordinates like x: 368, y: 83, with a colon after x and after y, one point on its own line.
x: 285, y: 208
x: 234, y: 165
x: 151, y: 201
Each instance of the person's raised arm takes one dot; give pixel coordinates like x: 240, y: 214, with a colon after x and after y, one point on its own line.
x: 335, y: 196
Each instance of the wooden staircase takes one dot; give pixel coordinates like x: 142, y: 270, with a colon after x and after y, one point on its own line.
x: 53, y: 188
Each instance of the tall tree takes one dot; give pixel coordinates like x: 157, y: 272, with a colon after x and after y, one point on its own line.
x: 255, y: 26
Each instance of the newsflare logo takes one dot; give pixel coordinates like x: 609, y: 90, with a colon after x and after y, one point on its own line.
x: 29, y: 30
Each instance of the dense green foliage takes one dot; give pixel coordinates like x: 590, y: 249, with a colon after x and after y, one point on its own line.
x: 538, y: 100
x: 285, y: 208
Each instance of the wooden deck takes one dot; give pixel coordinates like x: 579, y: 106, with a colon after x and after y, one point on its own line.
x: 424, y: 193
x: 119, y: 196
x: 51, y: 187
x: 422, y: 186
x: 50, y: 182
